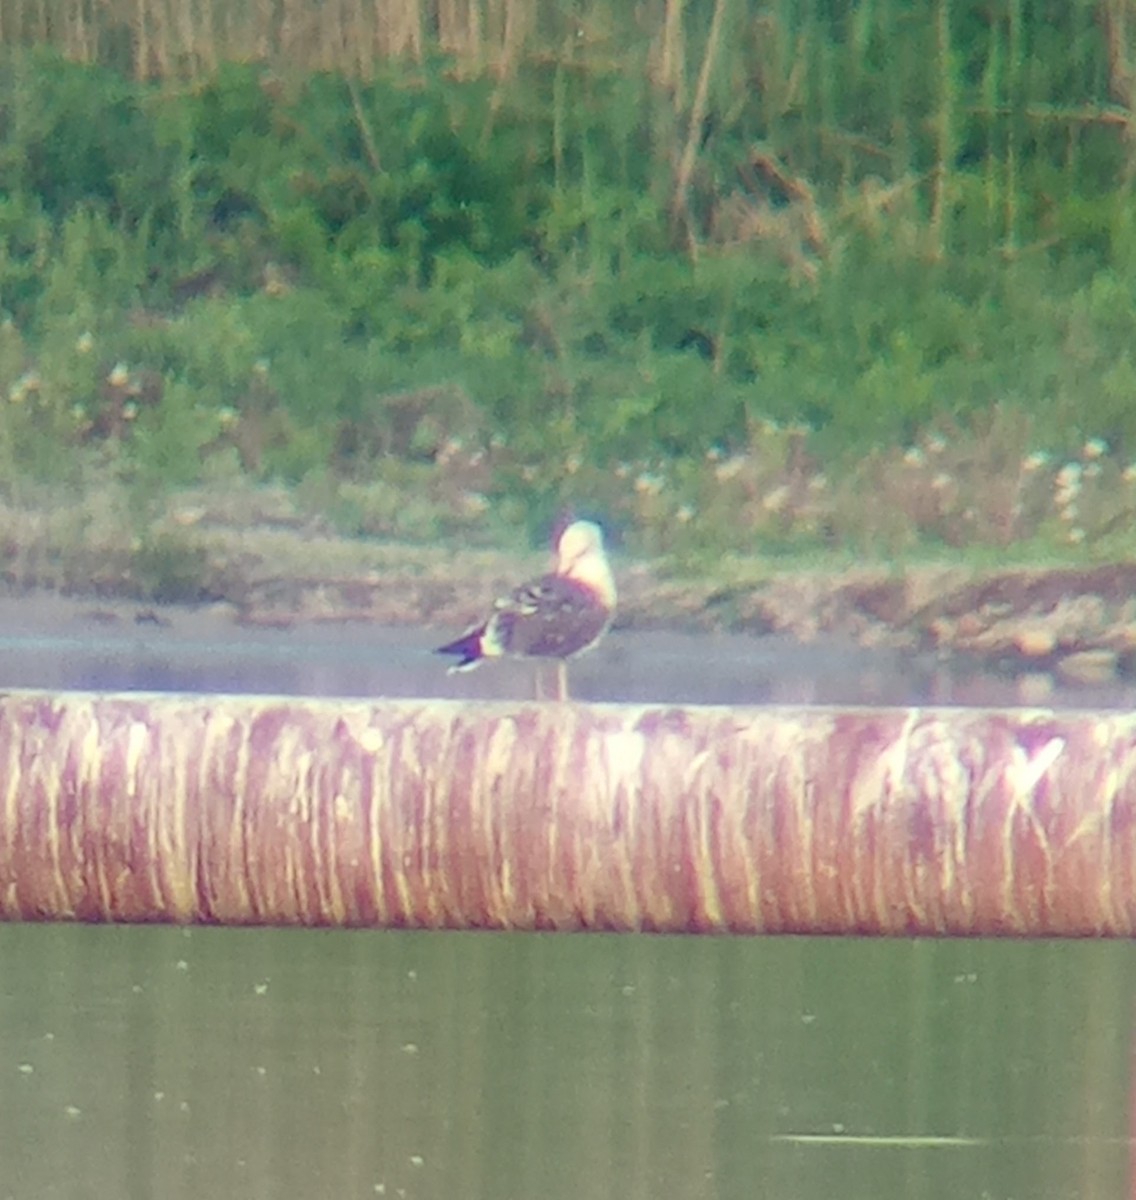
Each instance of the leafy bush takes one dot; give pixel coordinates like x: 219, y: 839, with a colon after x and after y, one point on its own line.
x: 370, y: 286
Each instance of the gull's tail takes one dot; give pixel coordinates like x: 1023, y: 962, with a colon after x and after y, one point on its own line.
x: 468, y: 649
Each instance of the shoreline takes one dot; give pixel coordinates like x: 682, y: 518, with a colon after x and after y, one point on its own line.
x: 1076, y: 620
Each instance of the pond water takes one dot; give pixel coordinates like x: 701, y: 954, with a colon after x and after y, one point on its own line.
x: 156, y: 1062
x: 54, y: 643
x: 228, y: 1063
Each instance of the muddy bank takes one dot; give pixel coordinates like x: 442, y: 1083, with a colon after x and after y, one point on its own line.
x: 1077, y: 622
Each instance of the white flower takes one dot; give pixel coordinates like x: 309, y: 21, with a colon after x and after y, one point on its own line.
x: 649, y: 484
x: 730, y: 468
x: 1094, y: 448
x: 1069, y: 477
x: 776, y: 500
x: 448, y: 450
x: 29, y: 381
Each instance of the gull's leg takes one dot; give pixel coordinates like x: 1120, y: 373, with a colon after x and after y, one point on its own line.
x: 561, y: 680
x: 538, y: 680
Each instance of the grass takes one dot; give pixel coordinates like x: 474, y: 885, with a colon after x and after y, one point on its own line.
x: 870, y: 311
x: 717, y: 529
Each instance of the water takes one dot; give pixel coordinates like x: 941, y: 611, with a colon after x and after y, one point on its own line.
x: 226, y: 1063
x: 54, y: 643
x: 153, y: 1062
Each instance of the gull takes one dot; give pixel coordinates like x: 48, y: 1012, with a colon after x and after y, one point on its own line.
x: 559, y: 616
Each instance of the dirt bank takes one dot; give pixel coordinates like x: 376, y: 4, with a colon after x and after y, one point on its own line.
x: 1080, y: 622
x: 262, y: 567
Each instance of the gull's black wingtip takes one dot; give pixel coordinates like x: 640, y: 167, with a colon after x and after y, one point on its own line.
x: 467, y: 648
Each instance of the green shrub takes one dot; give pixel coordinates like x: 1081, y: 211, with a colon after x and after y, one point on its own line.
x: 437, y: 289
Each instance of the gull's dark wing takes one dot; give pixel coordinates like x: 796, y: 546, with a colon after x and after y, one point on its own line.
x: 550, y: 617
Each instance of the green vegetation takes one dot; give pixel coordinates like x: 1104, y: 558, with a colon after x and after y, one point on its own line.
x: 735, y: 275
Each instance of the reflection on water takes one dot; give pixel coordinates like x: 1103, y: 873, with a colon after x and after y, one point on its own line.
x: 229, y: 1063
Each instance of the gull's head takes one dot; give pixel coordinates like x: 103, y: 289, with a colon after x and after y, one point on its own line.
x: 580, y: 556
x: 579, y: 539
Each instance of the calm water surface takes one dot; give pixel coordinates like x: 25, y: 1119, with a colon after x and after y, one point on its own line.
x: 229, y: 1063
x: 48, y: 642
x: 210, y: 1064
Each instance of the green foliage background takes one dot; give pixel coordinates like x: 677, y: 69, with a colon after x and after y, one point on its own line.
x: 626, y: 234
